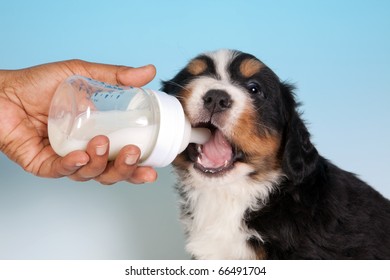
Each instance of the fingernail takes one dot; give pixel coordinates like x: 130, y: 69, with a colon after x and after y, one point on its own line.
x: 131, y: 159
x: 146, y: 66
x: 101, y: 150
x: 79, y: 164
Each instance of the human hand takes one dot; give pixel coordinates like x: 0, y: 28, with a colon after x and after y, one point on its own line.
x: 25, y: 97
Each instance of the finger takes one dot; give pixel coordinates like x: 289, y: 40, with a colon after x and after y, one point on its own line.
x: 123, y: 166
x: 97, y: 149
x: 143, y: 174
x: 71, y: 163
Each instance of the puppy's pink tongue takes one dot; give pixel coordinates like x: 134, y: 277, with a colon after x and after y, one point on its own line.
x: 217, y: 152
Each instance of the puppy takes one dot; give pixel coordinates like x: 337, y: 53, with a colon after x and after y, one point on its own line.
x: 259, y: 189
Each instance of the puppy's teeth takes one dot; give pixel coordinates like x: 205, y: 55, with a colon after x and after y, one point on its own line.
x: 226, y: 163
x: 199, y: 148
x: 198, y: 160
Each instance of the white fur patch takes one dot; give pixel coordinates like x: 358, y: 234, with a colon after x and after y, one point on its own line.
x: 222, y: 59
x: 216, y: 228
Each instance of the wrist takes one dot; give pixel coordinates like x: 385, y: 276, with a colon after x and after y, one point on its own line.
x: 2, y: 82
x: 4, y: 74
x: 6, y: 85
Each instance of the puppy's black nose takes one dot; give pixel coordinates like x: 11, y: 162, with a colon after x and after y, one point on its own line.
x: 217, y: 101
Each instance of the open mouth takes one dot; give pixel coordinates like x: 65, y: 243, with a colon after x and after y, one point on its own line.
x: 215, y: 157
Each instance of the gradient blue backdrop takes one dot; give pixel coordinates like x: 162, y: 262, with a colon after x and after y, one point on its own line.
x: 336, y: 52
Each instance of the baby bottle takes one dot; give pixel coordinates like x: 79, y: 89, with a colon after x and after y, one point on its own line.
x: 154, y: 121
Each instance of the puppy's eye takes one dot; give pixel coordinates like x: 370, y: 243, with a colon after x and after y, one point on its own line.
x: 254, y: 88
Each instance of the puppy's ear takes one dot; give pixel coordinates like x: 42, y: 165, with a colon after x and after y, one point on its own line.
x: 169, y: 87
x: 175, y: 85
x: 300, y: 157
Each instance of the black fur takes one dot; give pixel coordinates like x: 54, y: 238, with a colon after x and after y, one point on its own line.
x: 331, y: 214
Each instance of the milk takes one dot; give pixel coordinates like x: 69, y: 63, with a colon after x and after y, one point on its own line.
x: 121, y: 127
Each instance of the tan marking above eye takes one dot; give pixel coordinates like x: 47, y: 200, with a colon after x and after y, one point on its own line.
x: 197, y: 66
x: 250, y: 66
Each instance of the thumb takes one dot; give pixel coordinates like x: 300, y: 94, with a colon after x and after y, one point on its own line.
x: 136, y: 77
x: 116, y: 74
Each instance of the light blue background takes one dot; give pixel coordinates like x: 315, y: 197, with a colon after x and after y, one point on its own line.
x: 336, y: 52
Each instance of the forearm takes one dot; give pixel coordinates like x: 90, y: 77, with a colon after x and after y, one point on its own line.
x: 2, y: 82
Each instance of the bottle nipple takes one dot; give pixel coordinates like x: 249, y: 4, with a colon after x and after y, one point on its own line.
x: 200, y: 135
x: 197, y: 135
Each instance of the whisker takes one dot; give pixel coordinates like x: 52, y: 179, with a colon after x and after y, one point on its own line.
x: 178, y: 85
x: 264, y: 126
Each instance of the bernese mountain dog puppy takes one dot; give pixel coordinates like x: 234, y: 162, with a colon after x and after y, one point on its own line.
x: 259, y: 189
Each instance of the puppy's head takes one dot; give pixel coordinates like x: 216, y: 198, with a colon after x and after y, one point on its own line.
x: 251, y: 115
